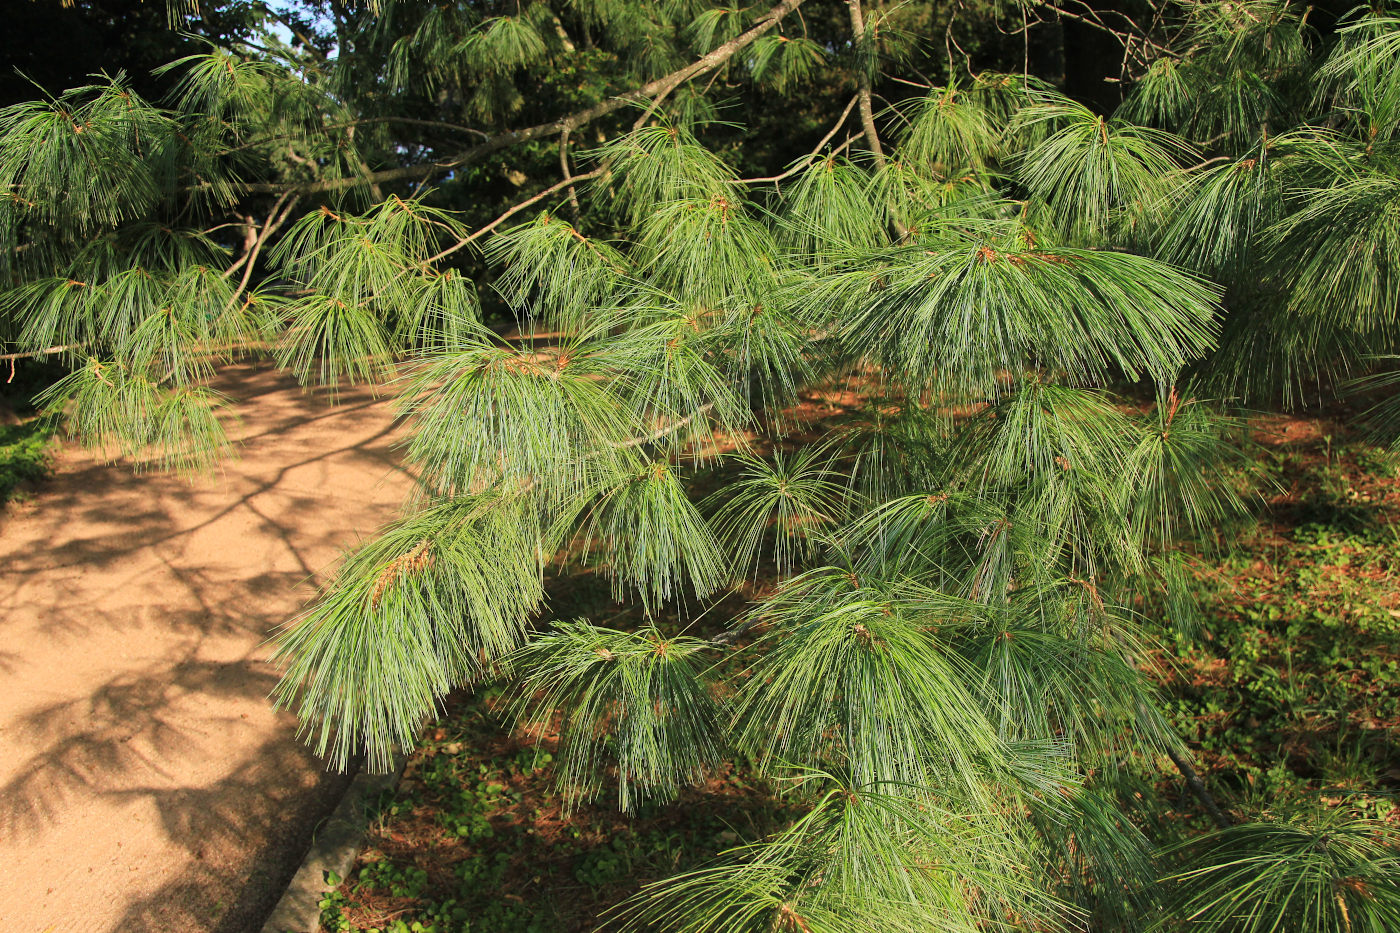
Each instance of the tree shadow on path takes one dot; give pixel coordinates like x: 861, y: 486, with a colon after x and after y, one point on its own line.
x: 147, y: 783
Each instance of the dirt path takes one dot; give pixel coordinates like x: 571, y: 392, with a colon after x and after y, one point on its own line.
x: 145, y: 784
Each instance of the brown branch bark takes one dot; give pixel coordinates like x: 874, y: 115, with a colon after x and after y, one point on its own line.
x: 1198, y: 787
x: 47, y: 351
x: 1193, y: 781
x: 275, y: 218
x: 867, y: 110
x: 574, y: 211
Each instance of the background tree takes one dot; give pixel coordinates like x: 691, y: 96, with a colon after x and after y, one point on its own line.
x: 541, y: 218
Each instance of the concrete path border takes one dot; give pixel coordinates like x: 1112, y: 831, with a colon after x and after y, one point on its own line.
x: 338, y: 840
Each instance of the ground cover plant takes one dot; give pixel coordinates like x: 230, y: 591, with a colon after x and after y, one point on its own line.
x: 937, y: 633
x: 24, y: 457
x: 26, y: 449
x: 1290, y: 685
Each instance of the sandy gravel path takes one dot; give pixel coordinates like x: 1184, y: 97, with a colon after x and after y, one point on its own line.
x: 145, y: 784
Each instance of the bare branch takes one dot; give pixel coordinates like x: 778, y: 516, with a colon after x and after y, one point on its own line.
x: 867, y: 112
x: 816, y: 150
x: 535, y: 199
x: 47, y: 351
x: 250, y: 258
x: 660, y: 434
x: 568, y: 176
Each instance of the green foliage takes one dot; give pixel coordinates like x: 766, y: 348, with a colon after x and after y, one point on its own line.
x: 551, y: 269
x: 782, y: 63
x: 861, y: 859
x: 82, y: 162
x: 411, y: 616
x: 936, y: 394
x: 636, y: 700
x: 1081, y: 312
x: 1100, y: 179
x: 857, y: 678
x: 534, y: 417
x: 1269, y: 876
x: 797, y: 496
x: 652, y: 538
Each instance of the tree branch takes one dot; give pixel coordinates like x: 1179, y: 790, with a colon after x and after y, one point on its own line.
x: 867, y: 112
x: 1135, y: 34
x: 730, y: 636
x: 568, y: 176
x: 511, y: 212
x: 47, y: 351
x: 660, y: 434
x: 285, y: 204
x: 816, y: 150
x: 1198, y: 787
x: 1193, y: 781
x: 658, y: 88
x: 293, y: 28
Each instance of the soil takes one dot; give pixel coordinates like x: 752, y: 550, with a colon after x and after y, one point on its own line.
x: 146, y: 784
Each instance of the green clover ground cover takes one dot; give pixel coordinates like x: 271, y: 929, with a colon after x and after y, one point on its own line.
x: 1290, y: 689
x: 24, y: 457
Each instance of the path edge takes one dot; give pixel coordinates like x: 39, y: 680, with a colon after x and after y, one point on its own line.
x: 333, y: 849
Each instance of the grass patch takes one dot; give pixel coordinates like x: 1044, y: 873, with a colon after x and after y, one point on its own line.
x: 26, y: 449
x: 25, y: 457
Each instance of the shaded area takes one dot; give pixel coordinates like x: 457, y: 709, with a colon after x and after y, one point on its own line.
x: 147, y: 784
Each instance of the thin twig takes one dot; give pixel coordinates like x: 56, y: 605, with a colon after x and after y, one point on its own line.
x: 511, y: 213
x: 274, y: 221
x: 729, y: 637
x: 1201, y: 165
x: 1193, y: 781
x: 252, y: 235
x: 568, y: 176
x: 1198, y: 787
x: 646, y: 440
x: 816, y: 150
x: 803, y: 165
x: 47, y: 351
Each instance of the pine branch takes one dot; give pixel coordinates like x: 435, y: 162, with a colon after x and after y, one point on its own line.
x: 47, y: 351
x: 654, y: 89
x: 277, y: 216
x: 567, y: 172
x: 1198, y: 787
x: 648, y: 441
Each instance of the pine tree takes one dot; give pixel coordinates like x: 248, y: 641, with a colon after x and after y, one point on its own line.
x: 968, y: 568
